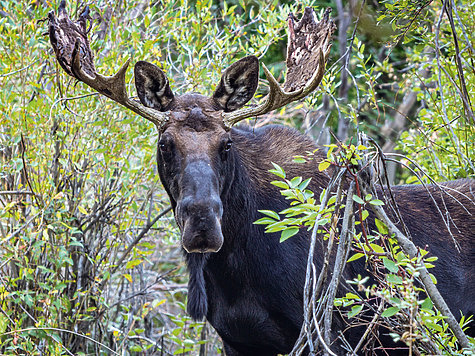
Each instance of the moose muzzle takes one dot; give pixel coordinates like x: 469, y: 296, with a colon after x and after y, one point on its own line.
x: 200, y: 210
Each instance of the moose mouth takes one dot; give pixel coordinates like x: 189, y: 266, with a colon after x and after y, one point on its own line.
x: 202, y: 234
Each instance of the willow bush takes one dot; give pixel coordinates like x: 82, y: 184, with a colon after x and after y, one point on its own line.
x: 83, y: 272
x: 90, y: 258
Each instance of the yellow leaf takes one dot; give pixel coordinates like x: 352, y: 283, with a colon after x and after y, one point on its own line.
x: 156, y: 303
x: 133, y: 263
x: 82, y: 210
x: 323, y: 165
x: 128, y: 277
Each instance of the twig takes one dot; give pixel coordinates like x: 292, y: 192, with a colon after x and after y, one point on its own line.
x: 369, y: 328
x: 465, y: 97
x: 343, y: 246
x: 16, y: 192
x: 143, y: 290
x: 453, y: 138
x: 20, y: 229
x: 18, y: 70
x: 68, y: 99
x: 60, y: 330
x: 305, y: 337
x: 411, y: 250
x: 321, y: 338
x: 135, y: 242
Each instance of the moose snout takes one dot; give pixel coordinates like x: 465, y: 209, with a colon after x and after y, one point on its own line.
x: 201, y: 225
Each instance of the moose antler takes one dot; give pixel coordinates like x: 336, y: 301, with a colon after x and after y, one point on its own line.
x: 308, y: 49
x: 71, y: 46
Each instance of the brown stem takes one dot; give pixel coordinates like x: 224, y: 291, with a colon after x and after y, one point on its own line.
x: 134, y: 243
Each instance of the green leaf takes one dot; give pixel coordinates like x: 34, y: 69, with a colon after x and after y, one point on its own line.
x: 355, y: 257
x: 427, y: 304
x: 355, y: 309
x: 390, y: 265
x: 277, y: 226
x: 376, y: 248
x: 270, y: 213
x: 136, y: 348
x: 288, y: 233
x: 395, y: 301
x: 382, y: 228
x: 364, y: 215
x: 390, y: 312
x: 358, y: 199
x: 299, y: 159
x: 376, y: 202
x: 3, y: 323
x: 75, y: 243
x: 264, y: 221
x: 392, y: 278
x: 278, y: 171
x: 56, y: 338
x: 304, y: 184
x: 295, y: 182
x: 280, y: 184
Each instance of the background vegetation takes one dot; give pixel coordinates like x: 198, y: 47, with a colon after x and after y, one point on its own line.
x: 90, y: 258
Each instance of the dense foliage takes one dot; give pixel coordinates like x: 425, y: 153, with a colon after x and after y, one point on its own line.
x: 89, y: 256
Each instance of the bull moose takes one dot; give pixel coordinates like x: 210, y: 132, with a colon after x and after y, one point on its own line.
x: 248, y: 285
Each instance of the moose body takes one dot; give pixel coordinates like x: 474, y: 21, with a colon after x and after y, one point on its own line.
x: 245, y: 282
x: 251, y: 290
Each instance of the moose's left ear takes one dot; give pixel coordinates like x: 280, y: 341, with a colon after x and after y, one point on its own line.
x: 238, y: 84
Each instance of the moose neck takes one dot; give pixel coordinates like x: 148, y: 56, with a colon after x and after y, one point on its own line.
x: 247, y: 190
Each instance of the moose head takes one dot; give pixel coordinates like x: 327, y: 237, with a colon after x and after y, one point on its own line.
x: 195, y: 148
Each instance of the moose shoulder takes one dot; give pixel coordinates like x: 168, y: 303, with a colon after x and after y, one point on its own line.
x: 245, y: 282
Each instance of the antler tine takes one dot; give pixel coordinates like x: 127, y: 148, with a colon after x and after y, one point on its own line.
x: 114, y: 88
x: 70, y: 43
x: 308, y: 50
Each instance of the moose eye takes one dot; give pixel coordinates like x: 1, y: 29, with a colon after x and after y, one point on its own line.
x: 164, y: 144
x: 228, y: 145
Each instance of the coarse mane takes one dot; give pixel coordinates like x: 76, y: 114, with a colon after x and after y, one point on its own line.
x: 259, y: 148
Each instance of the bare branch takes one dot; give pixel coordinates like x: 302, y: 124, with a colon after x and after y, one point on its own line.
x: 135, y: 242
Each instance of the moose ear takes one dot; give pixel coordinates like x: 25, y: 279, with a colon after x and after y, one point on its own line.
x: 152, y: 86
x: 238, y: 84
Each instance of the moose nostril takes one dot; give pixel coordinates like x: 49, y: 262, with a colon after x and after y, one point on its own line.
x: 183, y: 206
x: 216, y: 206
x: 200, y: 209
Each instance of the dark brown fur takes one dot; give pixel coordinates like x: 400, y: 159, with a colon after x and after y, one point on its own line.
x: 424, y: 217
